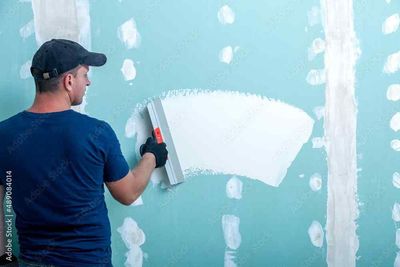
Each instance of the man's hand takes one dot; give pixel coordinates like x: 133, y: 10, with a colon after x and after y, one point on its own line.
x: 158, y: 150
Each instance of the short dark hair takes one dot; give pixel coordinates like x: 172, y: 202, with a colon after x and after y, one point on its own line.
x: 51, y: 85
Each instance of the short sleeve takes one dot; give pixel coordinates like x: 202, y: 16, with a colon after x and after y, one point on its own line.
x: 115, y: 165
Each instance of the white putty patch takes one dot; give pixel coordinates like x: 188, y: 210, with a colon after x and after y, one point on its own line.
x: 395, y: 144
x: 395, y: 122
x: 226, y: 54
x: 316, y: 234
x: 317, y: 47
x: 234, y: 188
x: 138, y: 202
x: 229, y: 259
x: 223, y: 132
x: 226, y: 15
x: 319, y: 112
x: 397, y: 260
x: 128, y: 70
x: 25, y: 70
x: 230, y: 227
x: 396, y: 212
x: 391, y: 24
x: 318, y: 142
x: 316, y: 77
x: 396, y: 179
x: 393, y: 92
x: 314, y: 16
x: 133, y: 238
x: 392, y: 63
x: 27, y: 30
x: 128, y: 34
x: 398, y: 238
x: 315, y: 182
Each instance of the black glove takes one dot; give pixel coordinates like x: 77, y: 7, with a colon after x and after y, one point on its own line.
x: 159, y: 151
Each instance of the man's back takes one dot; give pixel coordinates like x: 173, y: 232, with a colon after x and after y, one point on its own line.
x: 59, y: 163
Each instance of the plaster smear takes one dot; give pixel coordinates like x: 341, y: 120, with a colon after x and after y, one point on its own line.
x: 25, y: 70
x: 340, y: 123
x: 128, y: 34
x: 226, y: 15
x: 395, y: 144
x: 396, y: 179
x: 230, y: 227
x: 316, y: 77
x: 226, y: 54
x: 225, y: 132
x: 392, y: 63
x: 64, y: 19
x: 229, y: 259
x: 319, y: 112
x: 315, y: 182
x: 317, y: 47
x: 234, y: 188
x: 395, y: 122
x: 133, y: 238
x: 27, y: 30
x: 318, y: 142
x: 398, y: 238
x: 393, y: 92
x: 397, y: 260
x: 396, y: 212
x: 316, y: 234
x: 128, y: 70
x: 391, y: 24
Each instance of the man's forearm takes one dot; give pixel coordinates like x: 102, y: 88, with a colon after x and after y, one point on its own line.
x: 142, y: 173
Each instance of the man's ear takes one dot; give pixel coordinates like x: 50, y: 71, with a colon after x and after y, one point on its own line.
x: 68, y: 81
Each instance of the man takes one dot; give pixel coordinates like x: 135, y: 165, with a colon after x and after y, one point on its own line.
x: 58, y: 161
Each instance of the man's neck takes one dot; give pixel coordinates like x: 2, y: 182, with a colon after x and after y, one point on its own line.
x: 47, y: 102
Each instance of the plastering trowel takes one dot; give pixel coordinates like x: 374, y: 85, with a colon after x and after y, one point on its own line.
x: 162, y: 134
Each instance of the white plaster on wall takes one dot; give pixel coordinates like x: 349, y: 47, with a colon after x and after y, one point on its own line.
x: 128, y: 34
x: 391, y: 24
x: 316, y: 234
x: 225, y: 133
x: 226, y: 15
x: 393, y: 92
x: 234, y: 188
x: 316, y: 77
x: 133, y: 238
x: 341, y: 54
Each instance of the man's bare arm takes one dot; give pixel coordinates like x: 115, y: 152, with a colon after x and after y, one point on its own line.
x: 129, y: 188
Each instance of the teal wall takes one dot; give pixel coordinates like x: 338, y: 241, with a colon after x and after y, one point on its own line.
x: 377, y: 159
x: 179, y: 49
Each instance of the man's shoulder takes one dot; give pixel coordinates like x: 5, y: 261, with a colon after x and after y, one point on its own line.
x: 100, y: 126
x: 10, y: 120
x: 90, y: 120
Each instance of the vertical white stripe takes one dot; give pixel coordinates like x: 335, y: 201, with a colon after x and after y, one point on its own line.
x: 64, y: 19
x: 340, y: 132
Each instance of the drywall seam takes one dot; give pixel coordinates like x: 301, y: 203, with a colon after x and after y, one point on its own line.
x: 64, y: 19
x: 340, y: 132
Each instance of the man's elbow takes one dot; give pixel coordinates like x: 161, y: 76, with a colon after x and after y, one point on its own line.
x: 127, y: 201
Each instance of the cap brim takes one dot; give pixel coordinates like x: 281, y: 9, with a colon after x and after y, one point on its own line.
x: 95, y: 59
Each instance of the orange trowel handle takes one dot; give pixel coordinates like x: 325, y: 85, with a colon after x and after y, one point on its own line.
x: 158, y: 136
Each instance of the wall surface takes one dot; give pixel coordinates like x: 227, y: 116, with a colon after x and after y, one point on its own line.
x: 291, y: 160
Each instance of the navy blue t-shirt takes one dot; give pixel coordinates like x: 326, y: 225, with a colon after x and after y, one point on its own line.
x: 59, y: 162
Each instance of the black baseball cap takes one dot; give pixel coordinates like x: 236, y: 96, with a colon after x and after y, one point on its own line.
x: 57, y: 56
